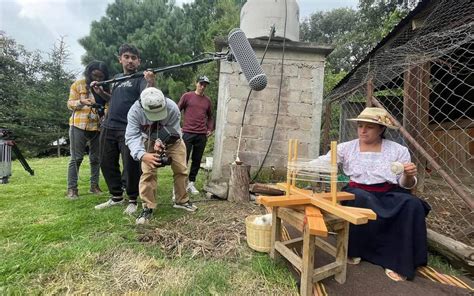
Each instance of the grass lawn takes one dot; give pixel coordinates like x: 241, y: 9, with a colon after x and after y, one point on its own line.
x: 52, y: 245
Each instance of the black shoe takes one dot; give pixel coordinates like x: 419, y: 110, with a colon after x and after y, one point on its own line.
x: 188, y: 206
x: 144, y: 216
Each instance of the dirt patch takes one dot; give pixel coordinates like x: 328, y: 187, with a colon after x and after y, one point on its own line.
x: 450, y: 215
x: 217, y: 230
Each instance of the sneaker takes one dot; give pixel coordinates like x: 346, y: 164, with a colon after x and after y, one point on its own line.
x: 108, y: 204
x: 131, y: 208
x: 144, y: 216
x: 188, y: 206
x: 72, y: 193
x: 173, y: 198
x: 191, y: 189
x: 95, y: 189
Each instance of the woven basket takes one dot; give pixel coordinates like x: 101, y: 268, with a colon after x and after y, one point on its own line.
x: 259, y: 237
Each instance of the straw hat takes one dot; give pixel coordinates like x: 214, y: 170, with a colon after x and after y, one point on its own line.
x: 375, y: 115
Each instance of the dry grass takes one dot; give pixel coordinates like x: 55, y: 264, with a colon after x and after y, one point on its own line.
x: 218, y: 231
x: 116, y: 272
x: 247, y: 283
x: 204, y: 253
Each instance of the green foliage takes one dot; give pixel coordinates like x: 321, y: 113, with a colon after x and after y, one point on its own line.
x: 331, y: 79
x: 155, y: 27
x: 165, y: 35
x: 226, y: 18
x: 440, y: 263
x: 354, y: 32
x: 335, y: 27
x: 34, y: 92
x: 209, y: 150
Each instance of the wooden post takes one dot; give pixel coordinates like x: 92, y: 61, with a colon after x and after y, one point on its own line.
x: 276, y: 232
x: 370, y: 92
x: 416, y: 93
x: 239, y: 183
x: 288, y: 170
x: 334, y: 172
x: 295, y: 158
x: 342, y: 241
x: 307, y: 271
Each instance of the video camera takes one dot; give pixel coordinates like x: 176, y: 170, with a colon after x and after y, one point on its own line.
x: 168, y: 136
x: 164, y: 160
x: 99, y: 107
x: 5, y: 134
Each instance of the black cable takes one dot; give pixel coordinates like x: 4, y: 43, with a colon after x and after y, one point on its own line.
x: 279, y: 96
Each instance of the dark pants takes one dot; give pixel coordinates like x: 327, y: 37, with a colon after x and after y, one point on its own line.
x: 195, y: 144
x: 79, y: 140
x: 397, y: 239
x: 112, y: 147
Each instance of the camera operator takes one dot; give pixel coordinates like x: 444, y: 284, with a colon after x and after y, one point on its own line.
x: 112, y: 136
x: 153, y: 136
x: 84, y: 125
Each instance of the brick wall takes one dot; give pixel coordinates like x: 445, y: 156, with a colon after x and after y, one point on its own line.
x: 300, y: 108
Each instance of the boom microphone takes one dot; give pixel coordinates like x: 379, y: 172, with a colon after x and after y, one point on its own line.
x: 247, y: 59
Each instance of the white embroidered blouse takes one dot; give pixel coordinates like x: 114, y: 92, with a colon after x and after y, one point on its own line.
x: 370, y: 167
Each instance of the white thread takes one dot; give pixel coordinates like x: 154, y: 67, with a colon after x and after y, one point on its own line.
x: 396, y: 168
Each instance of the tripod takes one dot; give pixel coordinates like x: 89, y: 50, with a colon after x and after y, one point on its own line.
x: 6, y: 148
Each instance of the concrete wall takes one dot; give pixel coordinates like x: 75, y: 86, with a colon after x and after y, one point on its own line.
x: 300, y: 108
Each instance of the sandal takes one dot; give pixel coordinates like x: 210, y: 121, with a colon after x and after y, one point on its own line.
x: 353, y: 260
x: 395, y: 276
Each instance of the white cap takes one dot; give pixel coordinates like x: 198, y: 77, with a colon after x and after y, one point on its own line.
x: 154, y: 104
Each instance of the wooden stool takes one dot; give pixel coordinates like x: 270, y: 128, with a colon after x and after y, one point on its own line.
x: 305, y: 264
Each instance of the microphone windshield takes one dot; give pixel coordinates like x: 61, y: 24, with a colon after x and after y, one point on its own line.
x: 247, y: 59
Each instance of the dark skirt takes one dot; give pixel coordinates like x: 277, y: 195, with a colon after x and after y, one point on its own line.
x: 397, y: 239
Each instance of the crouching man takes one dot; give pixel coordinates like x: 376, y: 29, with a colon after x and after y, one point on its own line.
x: 153, y: 136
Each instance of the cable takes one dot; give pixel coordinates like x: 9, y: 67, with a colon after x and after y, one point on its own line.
x: 279, y: 95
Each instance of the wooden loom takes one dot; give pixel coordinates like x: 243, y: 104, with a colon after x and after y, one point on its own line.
x: 310, y: 212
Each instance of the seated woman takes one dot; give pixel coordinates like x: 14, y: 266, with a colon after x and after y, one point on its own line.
x: 397, y: 239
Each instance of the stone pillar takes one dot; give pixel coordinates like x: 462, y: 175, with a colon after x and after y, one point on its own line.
x: 300, y: 109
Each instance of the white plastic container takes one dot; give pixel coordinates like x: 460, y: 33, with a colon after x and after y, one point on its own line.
x: 257, y: 17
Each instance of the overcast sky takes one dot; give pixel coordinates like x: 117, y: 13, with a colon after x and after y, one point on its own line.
x: 37, y: 24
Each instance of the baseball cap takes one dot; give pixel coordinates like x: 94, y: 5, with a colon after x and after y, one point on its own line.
x: 203, y: 79
x: 154, y: 104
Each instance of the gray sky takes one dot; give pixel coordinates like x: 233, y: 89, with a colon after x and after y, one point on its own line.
x: 37, y: 24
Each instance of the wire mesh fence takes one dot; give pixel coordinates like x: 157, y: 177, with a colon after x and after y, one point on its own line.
x: 423, y: 76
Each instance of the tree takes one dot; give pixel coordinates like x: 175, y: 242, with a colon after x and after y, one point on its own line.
x: 33, y: 95
x: 18, y: 71
x: 225, y: 17
x: 354, y: 32
x: 54, y: 83
x: 379, y: 16
x: 156, y: 27
x: 337, y: 28
x: 166, y: 35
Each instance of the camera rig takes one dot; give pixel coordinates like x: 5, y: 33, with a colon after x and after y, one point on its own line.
x: 7, y: 145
